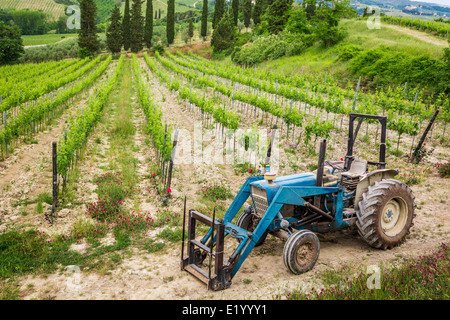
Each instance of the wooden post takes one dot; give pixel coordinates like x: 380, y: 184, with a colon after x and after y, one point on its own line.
x: 4, y: 124
x: 290, y: 112
x: 416, y: 154
x: 55, y: 178
x: 172, y: 158
x: 357, y: 92
x: 162, y: 153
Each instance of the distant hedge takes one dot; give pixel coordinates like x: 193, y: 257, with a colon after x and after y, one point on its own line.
x: 57, y: 51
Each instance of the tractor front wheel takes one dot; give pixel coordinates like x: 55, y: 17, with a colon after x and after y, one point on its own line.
x: 248, y: 222
x: 386, y: 214
x: 301, y: 251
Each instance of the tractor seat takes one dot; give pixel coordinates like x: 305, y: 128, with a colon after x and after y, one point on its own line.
x: 358, y: 168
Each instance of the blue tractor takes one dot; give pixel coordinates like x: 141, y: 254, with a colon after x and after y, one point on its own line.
x: 294, y: 208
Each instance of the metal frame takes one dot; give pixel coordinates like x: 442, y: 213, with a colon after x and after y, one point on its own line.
x: 381, y: 164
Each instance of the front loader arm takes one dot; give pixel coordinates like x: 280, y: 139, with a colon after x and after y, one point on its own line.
x: 285, y: 195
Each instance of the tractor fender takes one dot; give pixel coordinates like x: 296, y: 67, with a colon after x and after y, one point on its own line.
x: 369, y: 179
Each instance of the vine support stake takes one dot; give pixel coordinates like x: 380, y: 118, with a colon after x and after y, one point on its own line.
x: 357, y: 92
x: 55, y: 178
x: 172, y: 159
x: 416, y: 154
x: 6, y: 139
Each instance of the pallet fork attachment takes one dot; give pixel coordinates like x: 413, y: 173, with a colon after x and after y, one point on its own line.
x: 197, y: 252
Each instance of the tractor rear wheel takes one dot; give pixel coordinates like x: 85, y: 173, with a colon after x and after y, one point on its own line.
x: 247, y: 222
x: 386, y: 214
x: 301, y: 251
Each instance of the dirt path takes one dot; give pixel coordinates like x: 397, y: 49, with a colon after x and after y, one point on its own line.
x: 419, y: 35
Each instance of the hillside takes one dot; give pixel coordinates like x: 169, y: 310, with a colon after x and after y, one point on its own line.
x: 56, y: 8
x: 423, y: 9
x: 319, y: 60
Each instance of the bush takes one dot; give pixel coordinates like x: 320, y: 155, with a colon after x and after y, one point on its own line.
x: 269, y: 47
x: 159, y: 47
x: 443, y: 169
x: 348, y: 52
x: 397, y: 68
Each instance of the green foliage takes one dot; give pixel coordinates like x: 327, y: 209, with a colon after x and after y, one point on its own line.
x: 148, y: 33
x: 422, y: 278
x: 327, y: 22
x: 191, y: 29
x: 258, y: 11
x: 126, y: 25
x: 87, y: 36
x: 298, y: 21
x: 219, y: 11
x: 443, y: 169
x: 158, y: 48
x: 170, y: 21
x: 11, y: 44
x: 235, y: 8
x: 204, y: 23
x: 269, y: 47
x: 216, y: 191
x: 55, y: 51
x: 277, y: 15
x: 155, y: 123
x: 82, y: 125
x: 247, y: 7
x: 387, y: 66
x: 114, y: 35
x: 104, y: 8
x: 137, y: 27
x: 30, y: 22
x: 223, y: 36
x: 348, y: 52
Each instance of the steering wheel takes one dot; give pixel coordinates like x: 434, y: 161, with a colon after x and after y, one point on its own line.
x: 335, y: 167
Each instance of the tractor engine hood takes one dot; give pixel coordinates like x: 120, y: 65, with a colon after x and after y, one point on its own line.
x: 295, y: 180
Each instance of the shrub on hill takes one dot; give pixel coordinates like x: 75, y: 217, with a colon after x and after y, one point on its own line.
x: 269, y: 47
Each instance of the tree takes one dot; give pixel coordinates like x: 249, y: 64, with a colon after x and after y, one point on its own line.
x: 204, y: 20
x: 310, y: 6
x: 137, y: 27
x: 327, y: 21
x: 191, y: 30
x: 11, y: 44
x: 224, y: 34
x: 258, y: 11
x: 114, y: 34
x: 247, y: 6
x: 88, y: 42
x: 148, y: 33
x: 219, y: 10
x: 298, y: 21
x: 277, y: 14
x: 170, y: 29
x: 235, y: 7
x: 126, y: 26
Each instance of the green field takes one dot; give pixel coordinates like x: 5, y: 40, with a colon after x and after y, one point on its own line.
x: 46, y: 39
